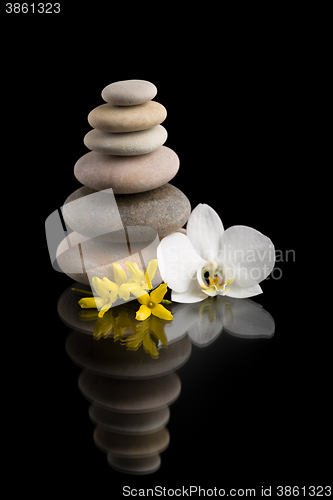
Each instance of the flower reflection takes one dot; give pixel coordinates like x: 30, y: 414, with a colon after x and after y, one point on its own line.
x: 142, y: 336
x: 148, y: 333
x: 111, y: 323
x: 214, y: 314
x: 242, y: 318
x: 203, y: 322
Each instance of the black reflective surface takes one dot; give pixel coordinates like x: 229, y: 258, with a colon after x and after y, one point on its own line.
x: 251, y: 412
x: 227, y: 396
x: 130, y: 368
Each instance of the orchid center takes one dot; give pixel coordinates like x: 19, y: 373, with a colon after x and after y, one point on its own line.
x: 214, y: 281
x: 214, y: 277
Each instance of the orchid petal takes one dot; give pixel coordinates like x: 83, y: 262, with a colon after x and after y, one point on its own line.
x: 204, y: 229
x: 193, y: 294
x: 239, y: 292
x: 211, y: 291
x: 178, y: 261
x: 250, y: 253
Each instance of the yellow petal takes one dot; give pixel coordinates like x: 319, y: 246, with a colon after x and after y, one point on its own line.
x: 135, y: 272
x: 97, y: 287
x: 144, y: 298
x: 113, y: 297
x: 111, y: 286
x: 123, y: 293
x: 161, y: 312
x: 158, y: 294
x: 148, y: 281
x: 104, y: 286
x: 91, y: 302
x: 143, y: 313
x: 119, y: 274
x: 105, y: 308
x: 130, y: 287
x: 136, y: 290
x: 151, y: 269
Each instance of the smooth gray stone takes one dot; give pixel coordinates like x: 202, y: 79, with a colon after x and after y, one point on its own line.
x: 164, y: 209
x: 109, y: 118
x: 79, y: 256
x: 129, y: 92
x: 128, y: 143
x: 127, y: 174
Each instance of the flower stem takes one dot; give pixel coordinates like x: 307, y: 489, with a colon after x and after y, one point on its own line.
x: 84, y: 292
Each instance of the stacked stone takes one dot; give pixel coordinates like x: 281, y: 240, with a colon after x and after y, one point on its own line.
x: 127, y: 154
x: 127, y: 142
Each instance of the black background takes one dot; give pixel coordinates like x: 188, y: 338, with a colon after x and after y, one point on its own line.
x: 251, y: 413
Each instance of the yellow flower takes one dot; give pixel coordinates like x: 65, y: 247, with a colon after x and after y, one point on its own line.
x: 151, y: 304
x: 108, y: 291
x: 143, y: 281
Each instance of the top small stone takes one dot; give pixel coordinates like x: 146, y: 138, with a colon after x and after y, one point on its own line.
x: 129, y: 92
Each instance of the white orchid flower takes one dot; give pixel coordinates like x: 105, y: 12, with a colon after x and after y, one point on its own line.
x: 209, y: 260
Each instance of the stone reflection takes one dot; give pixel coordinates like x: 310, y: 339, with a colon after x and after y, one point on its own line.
x: 129, y: 367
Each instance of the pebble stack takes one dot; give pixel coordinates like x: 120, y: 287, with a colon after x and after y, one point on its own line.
x: 126, y: 143
x: 127, y: 155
